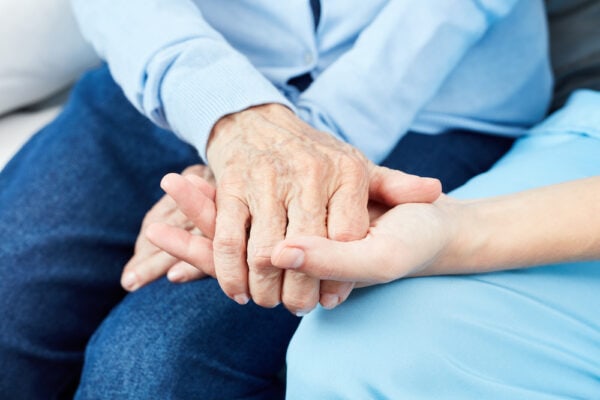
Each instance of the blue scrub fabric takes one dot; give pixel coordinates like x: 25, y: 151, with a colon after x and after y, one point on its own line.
x: 522, y: 334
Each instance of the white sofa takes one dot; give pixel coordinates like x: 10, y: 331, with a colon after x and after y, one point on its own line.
x: 41, y: 54
x: 16, y: 128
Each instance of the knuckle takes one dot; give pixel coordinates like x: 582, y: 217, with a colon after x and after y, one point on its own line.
x: 231, y: 183
x: 228, y: 246
x: 228, y: 279
x: 259, y: 262
x: 313, y: 173
x: 259, y: 256
x: 353, y: 168
x: 266, y: 282
x: 264, y: 173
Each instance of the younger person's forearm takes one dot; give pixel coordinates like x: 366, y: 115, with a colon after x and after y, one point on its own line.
x: 547, y: 225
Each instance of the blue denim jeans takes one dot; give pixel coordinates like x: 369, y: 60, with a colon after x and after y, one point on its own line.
x: 71, y: 204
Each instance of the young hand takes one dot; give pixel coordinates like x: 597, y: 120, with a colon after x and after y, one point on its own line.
x: 197, y: 251
x: 404, y: 241
x: 149, y: 262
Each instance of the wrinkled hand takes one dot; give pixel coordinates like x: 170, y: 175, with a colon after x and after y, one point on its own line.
x: 149, y: 262
x: 196, y: 251
x: 406, y: 240
x: 280, y: 178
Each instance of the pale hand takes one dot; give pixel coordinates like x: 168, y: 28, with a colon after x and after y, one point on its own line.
x: 277, y: 177
x: 403, y: 241
x: 191, y: 200
x: 149, y: 262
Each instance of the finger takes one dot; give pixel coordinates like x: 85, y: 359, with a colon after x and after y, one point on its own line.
x: 392, y: 187
x: 307, y: 215
x: 141, y: 271
x: 229, y: 247
x: 181, y: 244
x: 367, y: 260
x: 267, y: 229
x: 348, y: 216
x: 202, y: 171
x: 203, y: 185
x: 192, y: 200
x: 183, y: 272
x: 348, y: 219
x: 300, y: 292
x: 334, y: 293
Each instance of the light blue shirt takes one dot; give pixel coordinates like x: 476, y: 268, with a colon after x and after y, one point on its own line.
x: 380, y: 67
x: 579, y: 116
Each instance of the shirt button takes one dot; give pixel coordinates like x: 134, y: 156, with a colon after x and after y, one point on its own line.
x: 308, y: 58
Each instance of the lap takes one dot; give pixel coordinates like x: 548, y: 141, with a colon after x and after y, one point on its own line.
x: 532, y: 333
x: 187, y: 341
x: 71, y: 203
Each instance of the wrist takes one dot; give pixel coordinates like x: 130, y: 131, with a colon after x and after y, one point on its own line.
x: 267, y: 111
x: 460, y: 249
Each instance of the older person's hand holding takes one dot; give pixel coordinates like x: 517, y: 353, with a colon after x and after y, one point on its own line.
x: 150, y: 262
x: 278, y: 177
x: 171, y: 233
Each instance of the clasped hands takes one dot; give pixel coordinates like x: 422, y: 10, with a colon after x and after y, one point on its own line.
x: 272, y: 225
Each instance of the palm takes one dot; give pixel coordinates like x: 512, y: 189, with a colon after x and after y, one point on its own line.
x: 412, y: 236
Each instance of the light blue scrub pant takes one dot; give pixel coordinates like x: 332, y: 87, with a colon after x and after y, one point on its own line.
x: 523, y: 334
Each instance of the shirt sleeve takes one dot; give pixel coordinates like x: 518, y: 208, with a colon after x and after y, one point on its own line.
x: 395, y: 67
x: 173, y: 66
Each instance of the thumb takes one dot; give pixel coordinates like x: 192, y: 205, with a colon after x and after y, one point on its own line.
x: 365, y: 260
x: 392, y: 187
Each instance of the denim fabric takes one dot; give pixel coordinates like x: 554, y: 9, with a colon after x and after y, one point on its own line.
x: 71, y: 203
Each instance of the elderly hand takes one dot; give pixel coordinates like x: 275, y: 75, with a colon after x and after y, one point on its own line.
x: 197, y: 251
x: 407, y: 240
x: 149, y: 262
x: 277, y: 177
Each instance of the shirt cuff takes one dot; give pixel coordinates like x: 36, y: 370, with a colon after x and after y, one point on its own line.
x: 195, y: 97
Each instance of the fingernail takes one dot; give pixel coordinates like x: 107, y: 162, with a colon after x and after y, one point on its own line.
x: 165, y: 182
x: 302, y: 313
x: 129, y: 281
x: 175, y: 275
x: 330, y: 301
x: 291, y: 257
x: 241, y: 299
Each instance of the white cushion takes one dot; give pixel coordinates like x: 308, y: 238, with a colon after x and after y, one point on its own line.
x: 41, y: 51
x: 16, y: 128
